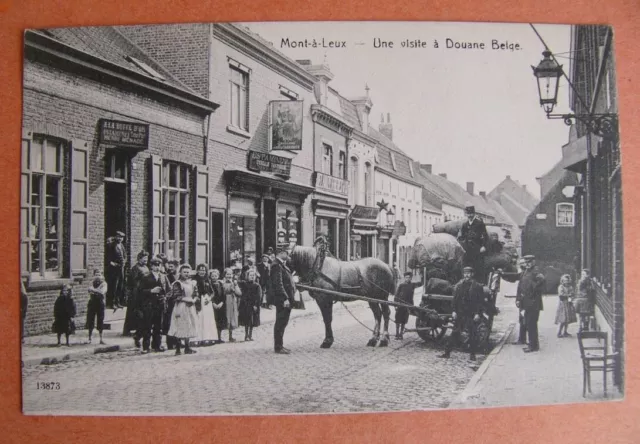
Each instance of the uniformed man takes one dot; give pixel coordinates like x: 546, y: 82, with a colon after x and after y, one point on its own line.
x: 529, y: 300
x: 283, y: 289
x: 513, y: 277
x: 468, y: 301
x: 154, y: 288
x: 116, y: 259
x: 473, y: 238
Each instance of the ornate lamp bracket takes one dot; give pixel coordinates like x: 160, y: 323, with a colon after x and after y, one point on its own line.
x: 603, y: 125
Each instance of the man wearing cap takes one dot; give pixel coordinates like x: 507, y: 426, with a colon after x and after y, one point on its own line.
x: 283, y: 290
x: 154, y: 288
x: 171, y: 270
x: 468, y: 298
x: 264, y: 270
x: 529, y: 299
x: 473, y: 238
x: 116, y: 259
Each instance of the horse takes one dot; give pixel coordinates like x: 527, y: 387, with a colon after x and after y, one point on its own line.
x: 368, y: 277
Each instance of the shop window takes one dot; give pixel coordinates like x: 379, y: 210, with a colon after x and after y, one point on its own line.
x: 564, y: 215
x: 174, y: 237
x: 239, y: 97
x: 327, y: 227
x: 242, y: 239
x: 289, y: 224
x: 327, y: 159
x: 44, y: 201
x: 342, y: 172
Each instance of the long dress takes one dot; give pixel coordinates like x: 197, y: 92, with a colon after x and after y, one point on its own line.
x: 231, y: 292
x: 64, y: 309
x: 565, y: 314
x: 133, y: 316
x: 184, y: 322
x: 207, y: 330
x: 583, y: 302
x: 219, y: 314
x: 251, y: 297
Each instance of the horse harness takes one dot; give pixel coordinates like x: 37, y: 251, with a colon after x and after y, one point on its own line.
x: 316, y: 270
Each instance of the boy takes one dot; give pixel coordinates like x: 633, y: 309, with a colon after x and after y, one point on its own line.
x: 96, y: 305
x: 404, y: 295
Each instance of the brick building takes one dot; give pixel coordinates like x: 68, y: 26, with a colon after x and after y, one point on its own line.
x: 260, y: 152
x: 99, y: 115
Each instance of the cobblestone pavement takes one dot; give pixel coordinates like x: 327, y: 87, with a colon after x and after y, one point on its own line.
x: 246, y: 378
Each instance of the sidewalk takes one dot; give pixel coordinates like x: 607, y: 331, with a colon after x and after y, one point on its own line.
x: 510, y: 377
x: 42, y: 349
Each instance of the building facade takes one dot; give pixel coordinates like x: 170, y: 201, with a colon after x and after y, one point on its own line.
x: 596, y: 159
x: 111, y: 142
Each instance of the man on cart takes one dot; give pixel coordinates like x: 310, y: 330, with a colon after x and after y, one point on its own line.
x: 473, y: 238
x: 468, y: 302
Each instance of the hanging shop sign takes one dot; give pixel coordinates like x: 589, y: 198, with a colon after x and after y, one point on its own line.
x: 285, y: 121
x: 269, y: 163
x: 362, y: 212
x: 399, y: 229
x: 331, y: 184
x: 124, y: 134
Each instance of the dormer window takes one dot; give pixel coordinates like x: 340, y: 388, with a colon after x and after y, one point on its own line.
x: 146, y: 68
x: 411, y: 168
x: 393, y: 162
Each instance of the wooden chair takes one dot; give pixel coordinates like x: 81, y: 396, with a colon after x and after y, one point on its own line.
x: 595, y: 357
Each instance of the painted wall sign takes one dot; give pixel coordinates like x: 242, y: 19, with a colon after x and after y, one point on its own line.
x: 362, y: 212
x: 331, y: 184
x: 124, y: 134
x: 269, y: 163
x: 285, y: 121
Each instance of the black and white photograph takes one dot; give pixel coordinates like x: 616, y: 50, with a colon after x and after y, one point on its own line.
x: 274, y: 218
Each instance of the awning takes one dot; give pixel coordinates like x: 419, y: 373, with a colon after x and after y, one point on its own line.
x: 364, y: 232
x: 237, y: 176
x: 575, y: 152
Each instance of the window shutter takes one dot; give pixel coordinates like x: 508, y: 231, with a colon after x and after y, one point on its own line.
x: 79, y: 205
x: 25, y: 193
x: 157, y: 222
x: 202, y: 214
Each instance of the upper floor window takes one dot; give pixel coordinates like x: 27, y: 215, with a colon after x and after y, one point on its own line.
x: 417, y: 222
x: 239, y: 97
x: 393, y: 161
x: 411, y: 168
x: 409, y: 220
x: 368, y: 198
x: 565, y: 215
x: 327, y: 159
x: 353, y: 179
x: 395, y: 214
x: 342, y: 158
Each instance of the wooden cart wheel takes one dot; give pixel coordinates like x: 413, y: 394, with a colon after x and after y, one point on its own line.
x: 434, y: 332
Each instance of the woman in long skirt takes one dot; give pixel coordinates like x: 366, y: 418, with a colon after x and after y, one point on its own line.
x: 249, y: 305
x: 219, y: 310
x: 565, y: 314
x: 231, y: 292
x: 184, y: 317
x: 584, y: 300
x: 64, y: 312
x: 206, y: 320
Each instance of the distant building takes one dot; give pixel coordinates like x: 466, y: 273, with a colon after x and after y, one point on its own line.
x: 515, y: 199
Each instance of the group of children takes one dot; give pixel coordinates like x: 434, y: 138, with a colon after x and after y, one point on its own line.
x: 574, y: 306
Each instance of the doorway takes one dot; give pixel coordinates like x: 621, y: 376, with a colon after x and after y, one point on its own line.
x: 217, y: 240
x: 269, y: 219
x: 116, y: 195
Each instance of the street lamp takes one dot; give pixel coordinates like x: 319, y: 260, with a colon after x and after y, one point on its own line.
x: 390, y: 215
x: 548, y: 74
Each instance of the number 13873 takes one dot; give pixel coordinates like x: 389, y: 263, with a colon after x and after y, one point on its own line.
x: 47, y: 386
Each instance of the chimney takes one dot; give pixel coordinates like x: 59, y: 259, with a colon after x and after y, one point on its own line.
x: 508, y: 177
x: 443, y: 175
x: 470, y: 188
x: 363, y: 106
x: 483, y: 194
x: 323, y: 75
x: 386, y: 128
x: 426, y: 167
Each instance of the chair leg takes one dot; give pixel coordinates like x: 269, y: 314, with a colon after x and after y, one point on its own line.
x: 584, y: 382
x: 604, y: 377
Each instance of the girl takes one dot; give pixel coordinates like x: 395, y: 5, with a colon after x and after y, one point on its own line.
x: 565, y: 314
x: 96, y: 305
x: 583, y: 303
x: 219, y: 311
x: 206, y: 321
x: 249, y: 306
x: 64, y: 312
x: 184, y: 316
x: 230, y: 293
x: 404, y: 295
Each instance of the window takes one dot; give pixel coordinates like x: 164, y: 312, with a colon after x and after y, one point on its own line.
x: 395, y: 215
x: 342, y: 158
x: 239, y: 98
x: 353, y: 178
x: 402, y: 215
x: 409, y: 220
x: 242, y: 239
x: 115, y: 166
x: 368, y: 198
x: 175, y: 211
x: 393, y: 161
x: 44, y: 201
x: 411, y: 168
x: 390, y: 183
x: 564, y: 215
x: 417, y: 222
x: 327, y: 159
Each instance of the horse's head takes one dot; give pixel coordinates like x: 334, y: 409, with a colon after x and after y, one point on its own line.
x: 301, y: 259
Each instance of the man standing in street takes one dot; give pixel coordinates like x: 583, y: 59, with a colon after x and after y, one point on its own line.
x: 513, y: 277
x: 116, y: 259
x: 468, y: 299
x: 528, y: 300
x: 154, y: 289
x: 473, y: 238
x: 283, y: 290
x: 171, y: 270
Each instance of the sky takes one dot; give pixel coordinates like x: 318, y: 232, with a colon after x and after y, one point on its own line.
x: 473, y: 114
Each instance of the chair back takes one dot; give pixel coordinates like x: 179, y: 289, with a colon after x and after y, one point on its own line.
x: 593, y: 343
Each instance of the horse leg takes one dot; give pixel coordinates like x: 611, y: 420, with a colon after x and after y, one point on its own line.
x: 377, y: 314
x: 326, y: 308
x: 386, y: 313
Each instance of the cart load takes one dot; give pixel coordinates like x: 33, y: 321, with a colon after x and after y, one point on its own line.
x: 438, y: 251
x: 438, y: 286
x: 451, y: 227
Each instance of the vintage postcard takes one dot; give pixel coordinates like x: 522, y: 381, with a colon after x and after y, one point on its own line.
x: 325, y: 217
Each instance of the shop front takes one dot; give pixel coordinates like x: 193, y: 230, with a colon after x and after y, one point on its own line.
x: 364, y: 234
x: 265, y: 208
x: 331, y: 212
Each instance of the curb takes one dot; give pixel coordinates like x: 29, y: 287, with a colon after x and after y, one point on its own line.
x: 470, y: 390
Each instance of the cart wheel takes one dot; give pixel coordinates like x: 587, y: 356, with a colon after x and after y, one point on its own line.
x: 434, y: 332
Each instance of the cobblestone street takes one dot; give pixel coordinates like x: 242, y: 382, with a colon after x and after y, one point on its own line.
x: 245, y: 378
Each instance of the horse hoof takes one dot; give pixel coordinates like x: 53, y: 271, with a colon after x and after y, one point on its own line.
x: 326, y: 344
x: 383, y: 343
x: 372, y: 342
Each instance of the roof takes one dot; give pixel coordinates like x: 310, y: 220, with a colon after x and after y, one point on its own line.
x: 517, y: 211
x: 107, y: 43
x: 428, y: 204
x: 402, y: 161
x: 384, y: 140
x: 502, y: 216
x: 516, y: 191
x: 550, y: 178
x: 348, y: 110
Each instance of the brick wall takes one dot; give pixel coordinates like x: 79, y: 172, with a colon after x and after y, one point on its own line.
x: 70, y: 107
